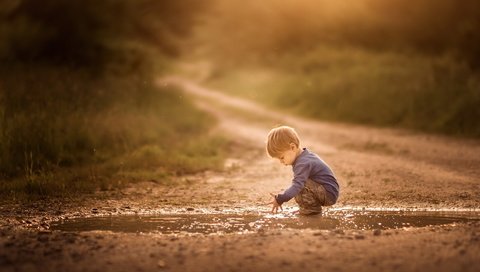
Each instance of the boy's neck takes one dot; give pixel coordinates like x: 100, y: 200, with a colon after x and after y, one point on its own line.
x: 298, y: 152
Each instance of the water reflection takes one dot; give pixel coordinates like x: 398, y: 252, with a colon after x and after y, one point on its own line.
x: 229, y: 223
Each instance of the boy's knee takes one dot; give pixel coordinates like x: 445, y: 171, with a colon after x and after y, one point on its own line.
x: 306, y: 198
x: 313, y: 194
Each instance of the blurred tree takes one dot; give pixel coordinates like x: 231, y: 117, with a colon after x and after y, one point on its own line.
x: 92, y: 33
x: 265, y: 29
x: 65, y: 64
x: 429, y: 26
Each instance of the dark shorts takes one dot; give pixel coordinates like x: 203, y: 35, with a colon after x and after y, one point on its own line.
x: 312, y: 197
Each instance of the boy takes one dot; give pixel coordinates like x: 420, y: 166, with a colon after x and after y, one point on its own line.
x: 314, y: 185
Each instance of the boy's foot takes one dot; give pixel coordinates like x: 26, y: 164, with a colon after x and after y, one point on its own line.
x: 304, y: 211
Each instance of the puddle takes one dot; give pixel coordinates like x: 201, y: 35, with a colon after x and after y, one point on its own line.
x: 230, y: 223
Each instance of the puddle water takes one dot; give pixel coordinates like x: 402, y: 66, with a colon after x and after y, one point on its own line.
x: 229, y: 223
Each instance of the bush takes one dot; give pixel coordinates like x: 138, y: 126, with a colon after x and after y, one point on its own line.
x: 55, y: 119
x: 93, y: 34
x: 352, y: 85
x: 77, y: 98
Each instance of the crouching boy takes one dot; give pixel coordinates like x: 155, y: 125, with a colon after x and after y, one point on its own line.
x: 314, y: 185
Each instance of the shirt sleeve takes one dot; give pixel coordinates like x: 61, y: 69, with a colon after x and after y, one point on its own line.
x: 301, y: 172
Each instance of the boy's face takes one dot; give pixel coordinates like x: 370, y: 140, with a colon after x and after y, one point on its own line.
x: 288, y: 157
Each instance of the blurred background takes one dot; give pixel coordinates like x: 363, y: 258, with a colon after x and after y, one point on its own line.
x: 388, y: 63
x: 79, y: 109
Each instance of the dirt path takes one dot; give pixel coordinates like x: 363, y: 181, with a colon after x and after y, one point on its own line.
x: 377, y: 168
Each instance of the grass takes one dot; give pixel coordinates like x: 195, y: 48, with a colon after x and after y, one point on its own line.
x: 433, y: 94
x: 65, y: 132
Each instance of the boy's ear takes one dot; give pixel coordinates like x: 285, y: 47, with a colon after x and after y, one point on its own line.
x: 293, y: 146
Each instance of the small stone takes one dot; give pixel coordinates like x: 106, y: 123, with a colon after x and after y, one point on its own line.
x: 338, y: 231
x: 359, y: 236
x: 161, y: 264
x: 377, y: 232
x: 42, y: 238
x: 9, y: 244
x: 190, y: 209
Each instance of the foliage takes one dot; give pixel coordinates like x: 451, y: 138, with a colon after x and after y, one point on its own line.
x: 266, y: 30
x: 79, y: 109
x: 93, y: 34
x: 107, y: 126
x: 413, y: 64
x: 351, y: 85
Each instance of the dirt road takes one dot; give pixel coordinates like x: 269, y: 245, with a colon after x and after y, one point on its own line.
x: 376, y: 168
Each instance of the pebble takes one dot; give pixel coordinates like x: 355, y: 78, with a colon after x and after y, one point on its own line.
x: 9, y: 244
x: 338, y: 231
x: 42, y: 238
x: 359, y: 236
x: 161, y: 264
x: 377, y: 232
x: 190, y: 209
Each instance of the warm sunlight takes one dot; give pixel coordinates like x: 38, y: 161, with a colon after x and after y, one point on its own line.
x: 240, y: 135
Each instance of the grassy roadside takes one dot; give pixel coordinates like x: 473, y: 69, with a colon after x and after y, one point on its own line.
x: 65, y: 132
x: 433, y: 94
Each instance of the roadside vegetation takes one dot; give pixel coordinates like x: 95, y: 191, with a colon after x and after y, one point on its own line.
x: 385, y: 63
x: 428, y: 94
x: 79, y: 108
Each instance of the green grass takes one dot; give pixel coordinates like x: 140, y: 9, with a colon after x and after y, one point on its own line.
x: 65, y: 132
x: 433, y: 94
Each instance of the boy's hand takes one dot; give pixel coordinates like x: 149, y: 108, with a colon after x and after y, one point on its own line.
x: 275, y: 205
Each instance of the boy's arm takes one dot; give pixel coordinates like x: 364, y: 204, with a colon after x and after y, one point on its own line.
x: 301, y: 172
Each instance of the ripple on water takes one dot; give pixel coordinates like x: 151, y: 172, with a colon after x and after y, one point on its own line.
x: 206, y: 223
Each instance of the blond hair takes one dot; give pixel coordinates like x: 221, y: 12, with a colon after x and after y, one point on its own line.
x: 279, y: 140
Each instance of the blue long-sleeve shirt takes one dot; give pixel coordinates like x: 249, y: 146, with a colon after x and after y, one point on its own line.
x: 310, y: 166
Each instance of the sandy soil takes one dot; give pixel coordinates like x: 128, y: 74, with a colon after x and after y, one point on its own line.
x: 376, y: 168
